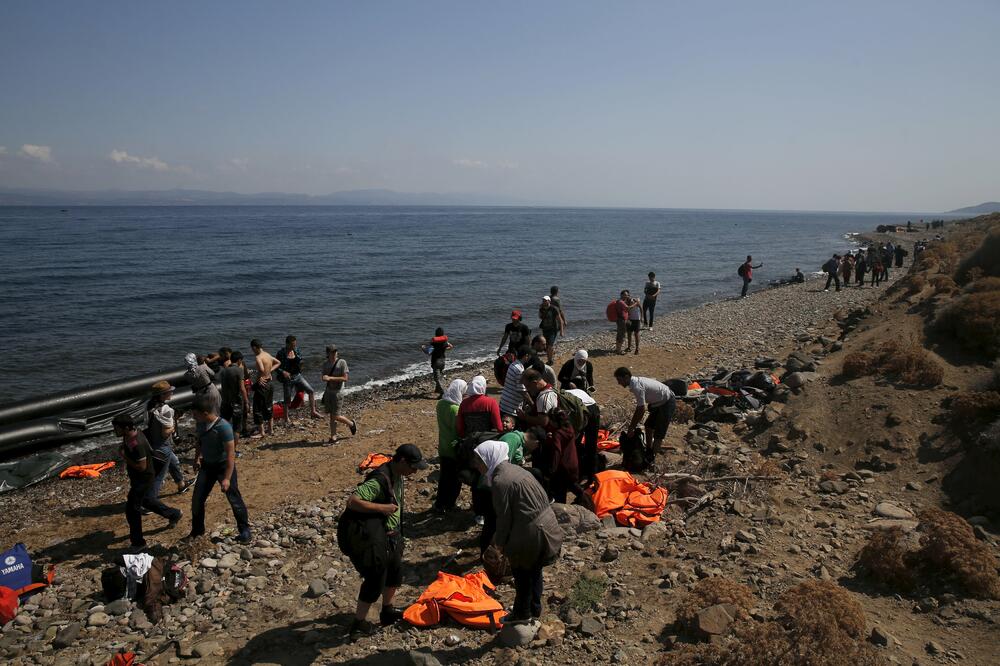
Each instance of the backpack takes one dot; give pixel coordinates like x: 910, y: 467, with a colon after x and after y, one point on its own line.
x: 830, y: 266
x: 635, y: 455
x: 612, y: 311
x: 574, y: 409
x: 363, y: 537
x: 742, y: 270
x: 466, y: 446
x: 500, y: 367
x: 175, y: 582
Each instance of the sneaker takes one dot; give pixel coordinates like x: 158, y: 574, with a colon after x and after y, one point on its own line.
x: 175, y: 520
x: 144, y: 511
x: 389, y: 616
x: 360, y: 628
x: 184, y: 486
x: 480, y: 521
x: 244, y: 537
x: 354, y: 427
x: 514, y: 618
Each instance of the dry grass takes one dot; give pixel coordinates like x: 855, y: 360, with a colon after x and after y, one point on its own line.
x: 943, y: 284
x: 984, y: 260
x: 684, y: 413
x: 973, y: 319
x: 948, y: 544
x: 972, y: 409
x: 820, y: 623
x: 711, y: 591
x: 887, y: 561
x: 766, y: 467
x: 906, y: 362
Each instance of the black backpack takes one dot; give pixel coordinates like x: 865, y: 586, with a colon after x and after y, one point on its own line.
x: 635, y: 456
x: 363, y: 537
x: 742, y: 270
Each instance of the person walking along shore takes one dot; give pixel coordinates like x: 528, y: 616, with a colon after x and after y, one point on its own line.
x: 335, y: 374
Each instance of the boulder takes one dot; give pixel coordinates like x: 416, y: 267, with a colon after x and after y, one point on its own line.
x: 206, y: 649
x: 796, y: 380
x: 889, y: 510
x: 67, y: 635
x: 517, y: 634
x: 317, y: 588
x: 98, y: 619
x: 714, y: 620
x: 117, y: 607
x: 591, y: 625
x: 417, y: 658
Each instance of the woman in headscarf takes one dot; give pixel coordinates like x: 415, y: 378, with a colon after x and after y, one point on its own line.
x: 199, y: 377
x: 527, y: 530
x: 449, y: 484
x: 478, y: 412
x: 578, y: 372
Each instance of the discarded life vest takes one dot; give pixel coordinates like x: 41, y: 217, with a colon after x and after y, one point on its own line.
x: 298, y: 400
x: 8, y: 605
x: 373, y: 460
x: 85, y: 471
x: 463, y: 598
x: 694, y: 386
x: 18, y: 573
x: 123, y: 659
x: 605, y: 442
x: 632, y: 504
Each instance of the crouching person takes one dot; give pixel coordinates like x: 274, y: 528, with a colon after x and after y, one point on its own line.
x: 527, y: 530
x: 370, y: 533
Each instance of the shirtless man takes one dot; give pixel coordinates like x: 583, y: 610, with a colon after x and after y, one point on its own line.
x: 263, y: 390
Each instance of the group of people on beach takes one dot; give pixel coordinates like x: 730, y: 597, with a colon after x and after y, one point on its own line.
x: 875, y: 260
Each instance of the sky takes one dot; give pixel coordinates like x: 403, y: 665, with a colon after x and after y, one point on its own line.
x: 872, y: 106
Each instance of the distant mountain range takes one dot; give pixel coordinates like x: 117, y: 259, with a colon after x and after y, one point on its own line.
x: 11, y: 197
x: 981, y: 209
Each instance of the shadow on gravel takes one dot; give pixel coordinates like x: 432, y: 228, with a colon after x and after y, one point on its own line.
x: 399, y: 657
x: 301, y: 444
x: 295, y: 644
x: 99, y: 511
x: 101, y: 543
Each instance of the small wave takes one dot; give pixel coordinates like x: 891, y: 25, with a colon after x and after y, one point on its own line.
x: 415, y: 371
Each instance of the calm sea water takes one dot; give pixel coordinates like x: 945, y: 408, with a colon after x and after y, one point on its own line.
x: 92, y: 294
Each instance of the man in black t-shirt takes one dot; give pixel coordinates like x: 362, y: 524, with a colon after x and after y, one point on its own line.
x: 235, y: 400
x: 139, y: 464
x: 515, y: 334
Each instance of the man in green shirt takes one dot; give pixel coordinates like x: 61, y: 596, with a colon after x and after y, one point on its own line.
x: 379, y: 563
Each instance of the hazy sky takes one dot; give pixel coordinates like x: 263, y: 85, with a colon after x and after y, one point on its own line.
x: 874, y: 105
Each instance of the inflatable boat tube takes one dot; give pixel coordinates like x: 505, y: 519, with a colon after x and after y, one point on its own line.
x: 79, y: 398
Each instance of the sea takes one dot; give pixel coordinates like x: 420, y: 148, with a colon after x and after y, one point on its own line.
x: 94, y: 294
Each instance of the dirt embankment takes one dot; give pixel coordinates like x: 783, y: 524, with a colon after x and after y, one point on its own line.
x: 764, y: 565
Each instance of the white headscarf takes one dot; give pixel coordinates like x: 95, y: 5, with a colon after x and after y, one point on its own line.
x: 477, y: 386
x: 492, y: 453
x: 191, y: 360
x: 581, y: 357
x: 454, y: 392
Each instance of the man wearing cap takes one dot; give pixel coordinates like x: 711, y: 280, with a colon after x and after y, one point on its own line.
x: 139, y: 465
x: 578, y: 372
x: 515, y: 334
x: 159, y: 432
x: 376, y: 546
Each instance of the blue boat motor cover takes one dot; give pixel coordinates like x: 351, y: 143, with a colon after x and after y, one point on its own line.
x: 15, y: 568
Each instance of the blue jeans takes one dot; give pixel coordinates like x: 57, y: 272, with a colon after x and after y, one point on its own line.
x: 165, y: 460
x: 209, y: 475
x: 293, y: 385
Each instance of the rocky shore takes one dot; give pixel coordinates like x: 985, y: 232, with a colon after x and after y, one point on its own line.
x: 770, y: 501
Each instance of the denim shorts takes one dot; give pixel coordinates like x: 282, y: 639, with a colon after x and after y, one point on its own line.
x: 299, y: 383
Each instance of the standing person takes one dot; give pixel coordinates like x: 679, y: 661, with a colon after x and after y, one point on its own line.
x: 650, y: 292
x: 900, y: 253
x: 846, y: 268
x: 515, y: 334
x: 745, y: 271
x: 875, y: 265
x: 551, y: 325
x: 449, y: 484
x: 478, y: 412
x: 634, y: 322
x: 832, y: 270
x: 263, y: 389
x: 654, y: 397
x: 887, y: 253
x: 860, y: 268
x: 235, y: 400
x: 215, y: 458
x: 621, y: 320
x: 527, y: 530
x: 586, y: 440
x: 159, y: 433
x: 292, y: 380
x: 335, y: 374
x: 482, y: 502
x: 578, y: 372
x: 439, y: 346
x: 139, y: 465
x: 370, y: 532
x: 513, y: 393
x: 557, y: 303
x: 219, y: 360
x: 199, y: 377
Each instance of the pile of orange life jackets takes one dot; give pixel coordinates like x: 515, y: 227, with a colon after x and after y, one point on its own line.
x: 604, y: 440
x: 85, y: 471
x: 632, y: 504
x: 463, y: 598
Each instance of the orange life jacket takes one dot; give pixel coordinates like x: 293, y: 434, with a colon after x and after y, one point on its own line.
x: 463, y: 598
x: 694, y: 386
x: 632, y: 504
x: 85, y: 471
x: 605, y: 441
x: 123, y: 659
x: 373, y: 460
x: 8, y: 605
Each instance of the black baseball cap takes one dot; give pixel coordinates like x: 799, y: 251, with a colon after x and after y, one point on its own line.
x: 410, y: 454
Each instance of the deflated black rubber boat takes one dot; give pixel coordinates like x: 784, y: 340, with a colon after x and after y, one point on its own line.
x: 32, y: 425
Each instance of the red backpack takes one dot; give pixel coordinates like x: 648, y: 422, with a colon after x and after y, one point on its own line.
x: 612, y: 310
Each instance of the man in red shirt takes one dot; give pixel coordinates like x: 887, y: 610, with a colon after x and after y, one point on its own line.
x: 746, y: 272
x: 621, y: 323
